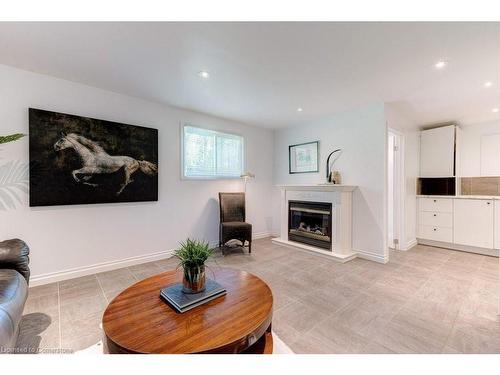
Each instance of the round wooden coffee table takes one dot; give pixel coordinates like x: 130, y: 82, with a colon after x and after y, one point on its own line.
x: 138, y: 320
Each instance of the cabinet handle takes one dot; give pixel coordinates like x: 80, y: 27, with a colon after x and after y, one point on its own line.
x: 434, y: 215
x: 435, y: 229
x: 434, y: 201
x: 488, y: 202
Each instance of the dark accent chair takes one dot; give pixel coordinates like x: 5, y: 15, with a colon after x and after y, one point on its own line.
x: 232, y: 220
x: 14, y: 278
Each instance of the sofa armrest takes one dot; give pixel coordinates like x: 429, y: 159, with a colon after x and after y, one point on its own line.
x: 14, y: 254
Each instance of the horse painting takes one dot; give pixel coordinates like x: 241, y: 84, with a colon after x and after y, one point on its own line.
x: 97, y: 161
x: 83, y: 160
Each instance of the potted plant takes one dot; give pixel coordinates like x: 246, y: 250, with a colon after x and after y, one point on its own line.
x: 193, y: 255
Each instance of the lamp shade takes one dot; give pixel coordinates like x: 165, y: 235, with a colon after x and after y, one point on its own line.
x: 247, y: 175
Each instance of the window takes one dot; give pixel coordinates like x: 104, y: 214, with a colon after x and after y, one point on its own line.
x: 211, y: 154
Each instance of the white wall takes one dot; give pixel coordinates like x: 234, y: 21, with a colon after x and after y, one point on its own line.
x: 470, y: 147
x: 69, y: 237
x: 398, y: 120
x: 362, y: 135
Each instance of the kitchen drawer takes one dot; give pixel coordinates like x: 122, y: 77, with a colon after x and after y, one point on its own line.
x: 436, y: 219
x: 429, y: 232
x: 436, y: 204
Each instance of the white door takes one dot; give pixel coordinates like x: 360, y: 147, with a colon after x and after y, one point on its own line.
x: 390, y: 190
x: 473, y: 222
x: 437, y: 152
x: 394, y: 189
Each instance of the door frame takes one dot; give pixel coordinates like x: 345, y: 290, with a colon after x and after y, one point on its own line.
x: 398, y: 190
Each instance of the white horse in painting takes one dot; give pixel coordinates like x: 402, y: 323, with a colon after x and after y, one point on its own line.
x: 97, y: 161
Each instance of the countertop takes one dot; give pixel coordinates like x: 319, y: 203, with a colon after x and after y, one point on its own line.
x: 495, y: 197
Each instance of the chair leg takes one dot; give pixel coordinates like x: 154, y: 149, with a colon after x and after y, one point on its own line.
x: 250, y: 247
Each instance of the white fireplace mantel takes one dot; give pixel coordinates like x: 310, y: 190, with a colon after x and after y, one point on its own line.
x: 340, y: 196
x: 319, y: 187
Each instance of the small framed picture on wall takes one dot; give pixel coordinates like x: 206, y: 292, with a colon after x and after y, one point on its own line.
x: 303, y: 158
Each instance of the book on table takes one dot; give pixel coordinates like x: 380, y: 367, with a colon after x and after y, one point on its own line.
x: 183, y: 302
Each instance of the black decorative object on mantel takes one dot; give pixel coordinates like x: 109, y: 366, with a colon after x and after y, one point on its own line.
x: 329, y: 174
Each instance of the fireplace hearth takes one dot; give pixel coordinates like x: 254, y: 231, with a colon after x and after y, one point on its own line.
x: 310, y: 223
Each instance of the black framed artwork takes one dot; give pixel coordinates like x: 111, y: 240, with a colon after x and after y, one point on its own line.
x: 81, y: 160
x: 303, y: 158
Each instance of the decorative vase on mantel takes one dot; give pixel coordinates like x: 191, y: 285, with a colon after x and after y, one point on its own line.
x: 192, y: 256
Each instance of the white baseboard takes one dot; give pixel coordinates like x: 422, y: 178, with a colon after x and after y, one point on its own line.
x: 372, y: 256
x: 454, y: 246
x: 52, y: 277
x: 258, y: 236
x: 409, y: 245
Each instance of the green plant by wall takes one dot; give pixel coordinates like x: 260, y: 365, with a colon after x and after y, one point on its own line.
x: 11, y: 138
x: 13, y: 178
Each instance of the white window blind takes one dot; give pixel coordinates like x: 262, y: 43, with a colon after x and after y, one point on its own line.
x: 211, y: 154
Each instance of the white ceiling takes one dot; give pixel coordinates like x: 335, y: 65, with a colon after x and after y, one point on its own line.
x: 261, y: 72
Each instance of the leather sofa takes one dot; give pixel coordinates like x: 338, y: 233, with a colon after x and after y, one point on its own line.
x: 14, y: 278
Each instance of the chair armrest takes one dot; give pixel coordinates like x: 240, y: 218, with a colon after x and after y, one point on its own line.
x: 14, y: 254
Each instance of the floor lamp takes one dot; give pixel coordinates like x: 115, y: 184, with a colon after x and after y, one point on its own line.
x: 246, y: 176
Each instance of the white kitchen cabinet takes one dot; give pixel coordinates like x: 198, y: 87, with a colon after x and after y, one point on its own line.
x: 473, y: 222
x: 490, y: 155
x: 437, y: 152
x: 496, y: 222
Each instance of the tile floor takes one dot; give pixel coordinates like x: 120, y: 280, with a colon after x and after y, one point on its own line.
x: 426, y: 300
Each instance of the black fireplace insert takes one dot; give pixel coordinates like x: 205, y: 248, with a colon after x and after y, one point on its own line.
x: 310, y: 223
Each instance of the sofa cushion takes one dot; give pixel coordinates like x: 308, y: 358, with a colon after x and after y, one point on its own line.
x: 13, y: 295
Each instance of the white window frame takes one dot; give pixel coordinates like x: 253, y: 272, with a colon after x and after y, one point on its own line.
x: 221, y: 131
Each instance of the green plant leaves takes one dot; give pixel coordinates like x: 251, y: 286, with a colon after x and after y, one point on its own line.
x: 13, y: 183
x: 193, y: 253
x: 13, y: 178
x: 11, y: 138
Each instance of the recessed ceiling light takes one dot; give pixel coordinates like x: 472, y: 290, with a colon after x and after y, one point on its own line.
x: 299, y: 109
x: 488, y: 84
x: 495, y: 110
x: 204, y: 74
x: 440, y: 64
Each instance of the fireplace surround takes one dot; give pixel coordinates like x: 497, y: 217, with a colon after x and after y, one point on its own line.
x: 317, y: 218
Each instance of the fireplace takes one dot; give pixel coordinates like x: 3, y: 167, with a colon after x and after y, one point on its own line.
x: 334, y: 203
x: 310, y: 223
